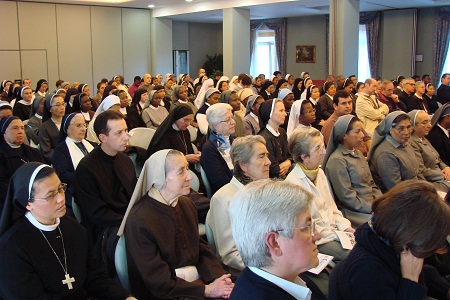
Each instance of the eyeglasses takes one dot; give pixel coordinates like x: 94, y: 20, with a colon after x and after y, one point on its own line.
x: 59, y: 104
x: 306, y: 229
x: 402, y: 129
x: 61, y: 189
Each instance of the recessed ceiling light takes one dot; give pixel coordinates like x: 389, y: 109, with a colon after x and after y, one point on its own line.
x: 189, y: 0
x: 151, y: 5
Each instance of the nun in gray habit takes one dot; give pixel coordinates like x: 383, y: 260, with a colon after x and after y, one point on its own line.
x: 349, y: 174
x: 391, y: 159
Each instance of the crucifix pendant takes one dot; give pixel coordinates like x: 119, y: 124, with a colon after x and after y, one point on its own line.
x: 68, y: 281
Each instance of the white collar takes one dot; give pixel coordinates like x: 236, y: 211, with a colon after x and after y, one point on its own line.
x: 181, y: 101
x: 420, y: 97
x: 272, y: 131
x: 38, y: 116
x: 25, y: 102
x: 14, y: 146
x: 152, y: 107
x: 297, y: 289
x: 73, y: 140
x: 40, y: 226
x: 313, y: 101
x: 123, y: 111
x: 174, y: 126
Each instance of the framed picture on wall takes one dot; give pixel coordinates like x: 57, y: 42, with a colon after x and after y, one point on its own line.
x: 305, y: 54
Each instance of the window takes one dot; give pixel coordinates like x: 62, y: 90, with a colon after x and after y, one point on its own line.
x: 446, y: 67
x: 264, y: 60
x: 180, y: 62
x: 363, y: 55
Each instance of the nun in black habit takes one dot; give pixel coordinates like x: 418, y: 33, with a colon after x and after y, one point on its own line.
x: 13, y: 152
x: 46, y: 255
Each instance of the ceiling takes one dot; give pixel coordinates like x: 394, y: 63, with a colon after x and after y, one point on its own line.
x: 210, y: 11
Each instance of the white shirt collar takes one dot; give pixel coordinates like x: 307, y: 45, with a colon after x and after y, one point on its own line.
x: 297, y: 289
x: 40, y: 226
x: 181, y: 101
x: 254, y: 116
x: 38, y: 116
x: 272, y: 131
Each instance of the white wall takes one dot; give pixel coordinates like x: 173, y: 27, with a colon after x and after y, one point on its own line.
x: 73, y: 42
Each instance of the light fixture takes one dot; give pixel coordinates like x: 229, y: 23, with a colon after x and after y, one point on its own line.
x: 189, y: 0
x: 151, y: 5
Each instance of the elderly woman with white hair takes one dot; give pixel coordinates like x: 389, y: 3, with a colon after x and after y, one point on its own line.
x: 275, y: 235
x: 166, y: 257
x: 215, y: 159
x: 307, y: 149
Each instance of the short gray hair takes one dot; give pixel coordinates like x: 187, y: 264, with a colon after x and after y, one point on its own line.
x: 408, y: 80
x: 241, y: 152
x: 261, y: 207
x: 419, y: 83
x: 215, y: 113
x: 300, y: 142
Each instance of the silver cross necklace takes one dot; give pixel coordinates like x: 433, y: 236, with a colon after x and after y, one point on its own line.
x: 68, y: 280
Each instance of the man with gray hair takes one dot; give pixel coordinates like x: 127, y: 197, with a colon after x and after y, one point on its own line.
x: 368, y: 108
x: 409, y: 87
x: 275, y: 236
x: 250, y: 162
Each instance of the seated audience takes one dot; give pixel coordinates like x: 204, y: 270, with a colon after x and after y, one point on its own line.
x: 302, y: 116
x: 68, y: 98
x: 137, y: 106
x: 173, y: 134
x: 13, y: 152
x: 313, y: 95
x: 275, y: 235
x: 430, y: 165
x: 41, y: 88
x: 35, y: 121
x: 54, y: 110
x: 387, y: 260
x: 288, y: 99
x: 71, y: 148
x: 272, y: 115
x: 405, y: 96
x: 82, y: 104
x: 430, y: 98
x: 154, y: 114
x: 326, y: 101
x: 200, y: 99
x: 267, y: 90
x: 391, y: 157
x: 251, y: 121
x: 297, y: 88
x: 215, y: 159
x: 307, y: 82
x: 348, y: 171
x: 22, y: 107
x: 212, y: 96
x: 443, y: 91
x: 386, y: 96
x: 439, y: 134
x: 104, y: 182
x: 307, y: 150
x: 97, y: 99
x: 162, y: 263
x: 112, y: 102
x: 417, y: 100
x: 46, y: 255
x: 368, y: 108
x: 5, y: 109
x: 250, y: 162
x: 230, y: 97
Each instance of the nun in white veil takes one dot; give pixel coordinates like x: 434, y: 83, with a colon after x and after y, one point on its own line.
x: 110, y: 102
x: 166, y: 257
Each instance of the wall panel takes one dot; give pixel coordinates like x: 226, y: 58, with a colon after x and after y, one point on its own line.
x: 136, y: 43
x: 107, y: 58
x: 74, y: 44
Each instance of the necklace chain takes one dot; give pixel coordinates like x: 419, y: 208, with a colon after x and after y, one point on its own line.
x: 54, y: 252
x: 183, y: 140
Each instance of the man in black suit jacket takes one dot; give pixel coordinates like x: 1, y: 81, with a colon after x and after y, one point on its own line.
x: 443, y: 92
x: 275, y: 246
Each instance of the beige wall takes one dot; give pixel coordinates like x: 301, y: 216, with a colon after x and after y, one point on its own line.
x: 73, y: 42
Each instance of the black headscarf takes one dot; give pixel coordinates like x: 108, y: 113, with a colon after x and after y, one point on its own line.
x: 65, y: 126
x: 16, y: 94
x: 295, y: 90
x: 108, y: 89
x: 35, y: 105
x: 47, y: 106
x: 40, y: 83
x: 81, y: 87
x: 76, y: 106
x: 18, y: 194
x: 265, y: 85
x: 137, y: 95
x: 11, y: 91
x: 177, y: 113
x: 265, y: 111
x: 70, y: 92
x: 4, y: 123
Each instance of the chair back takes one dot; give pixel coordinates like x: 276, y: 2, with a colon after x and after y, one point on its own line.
x: 120, y: 260
x: 210, y: 237
x: 76, y: 210
x: 206, y: 183
x: 195, y: 182
x: 141, y: 137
